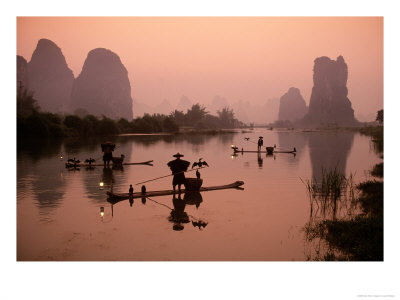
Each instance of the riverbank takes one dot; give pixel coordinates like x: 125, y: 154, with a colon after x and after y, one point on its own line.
x: 358, y: 238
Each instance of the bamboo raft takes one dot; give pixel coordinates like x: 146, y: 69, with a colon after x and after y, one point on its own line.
x: 73, y: 165
x: 116, y: 197
x: 255, y: 151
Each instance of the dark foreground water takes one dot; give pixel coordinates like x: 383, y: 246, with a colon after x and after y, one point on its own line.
x: 58, y: 210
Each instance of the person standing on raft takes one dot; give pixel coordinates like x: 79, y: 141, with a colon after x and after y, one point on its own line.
x: 260, y: 143
x: 107, y: 148
x: 178, y: 166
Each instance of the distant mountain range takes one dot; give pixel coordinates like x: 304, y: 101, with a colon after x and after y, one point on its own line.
x: 243, y: 110
x: 102, y: 88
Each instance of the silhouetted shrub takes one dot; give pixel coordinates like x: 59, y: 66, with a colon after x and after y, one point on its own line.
x: 37, y: 126
x: 169, y: 125
x: 107, y: 126
x: 74, y: 122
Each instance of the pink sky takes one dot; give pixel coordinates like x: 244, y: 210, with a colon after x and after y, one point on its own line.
x: 240, y: 58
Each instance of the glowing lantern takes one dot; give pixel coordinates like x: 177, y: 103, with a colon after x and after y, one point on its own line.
x: 101, y: 185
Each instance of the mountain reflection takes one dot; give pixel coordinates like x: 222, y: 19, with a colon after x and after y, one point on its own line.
x: 288, y: 141
x: 193, y: 139
x: 37, y: 150
x: 329, y: 151
x: 48, y: 184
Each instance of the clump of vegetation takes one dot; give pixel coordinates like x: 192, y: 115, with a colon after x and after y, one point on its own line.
x: 377, y: 171
x: 333, y: 182
x: 371, y: 198
x: 33, y: 123
x: 352, y: 237
x: 332, y: 193
x: 360, y: 239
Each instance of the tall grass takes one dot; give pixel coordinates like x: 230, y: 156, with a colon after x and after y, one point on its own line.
x: 331, y: 193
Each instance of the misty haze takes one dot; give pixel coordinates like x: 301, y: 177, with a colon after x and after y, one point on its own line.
x: 199, y: 139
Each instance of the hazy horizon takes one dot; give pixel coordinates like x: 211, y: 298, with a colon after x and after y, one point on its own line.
x: 249, y: 59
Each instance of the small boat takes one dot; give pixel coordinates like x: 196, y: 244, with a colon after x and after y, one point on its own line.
x: 72, y: 165
x: 116, y: 197
x: 269, y: 150
x: 255, y: 151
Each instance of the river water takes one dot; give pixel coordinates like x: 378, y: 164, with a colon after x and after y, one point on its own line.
x: 58, y: 210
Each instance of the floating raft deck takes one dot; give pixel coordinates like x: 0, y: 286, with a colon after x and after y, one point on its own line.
x: 255, y: 151
x: 116, y: 197
x: 72, y: 165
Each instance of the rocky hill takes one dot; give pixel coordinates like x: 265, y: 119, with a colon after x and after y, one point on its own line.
x: 103, y: 87
x: 329, y: 103
x: 49, y: 77
x: 22, y: 73
x: 292, y: 106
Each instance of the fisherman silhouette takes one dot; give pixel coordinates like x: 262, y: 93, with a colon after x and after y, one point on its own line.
x: 107, y: 148
x: 130, y: 190
x: 260, y: 143
x: 178, y: 166
x: 143, y: 190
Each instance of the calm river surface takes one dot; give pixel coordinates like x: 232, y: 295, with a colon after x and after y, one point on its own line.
x: 58, y: 210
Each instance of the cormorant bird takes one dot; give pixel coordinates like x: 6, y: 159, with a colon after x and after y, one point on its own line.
x: 197, y: 174
x: 246, y: 138
x: 199, y: 163
x: 90, y: 160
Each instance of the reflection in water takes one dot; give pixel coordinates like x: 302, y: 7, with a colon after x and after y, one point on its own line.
x: 193, y: 198
x: 259, y: 160
x: 329, y: 151
x: 48, y: 186
x: 262, y: 156
x: 331, y: 193
x: 45, y: 183
x: 178, y: 215
x: 106, y: 218
x: 92, y: 177
x: 193, y: 139
x: 107, y: 177
x: 288, y: 141
x: 37, y: 150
